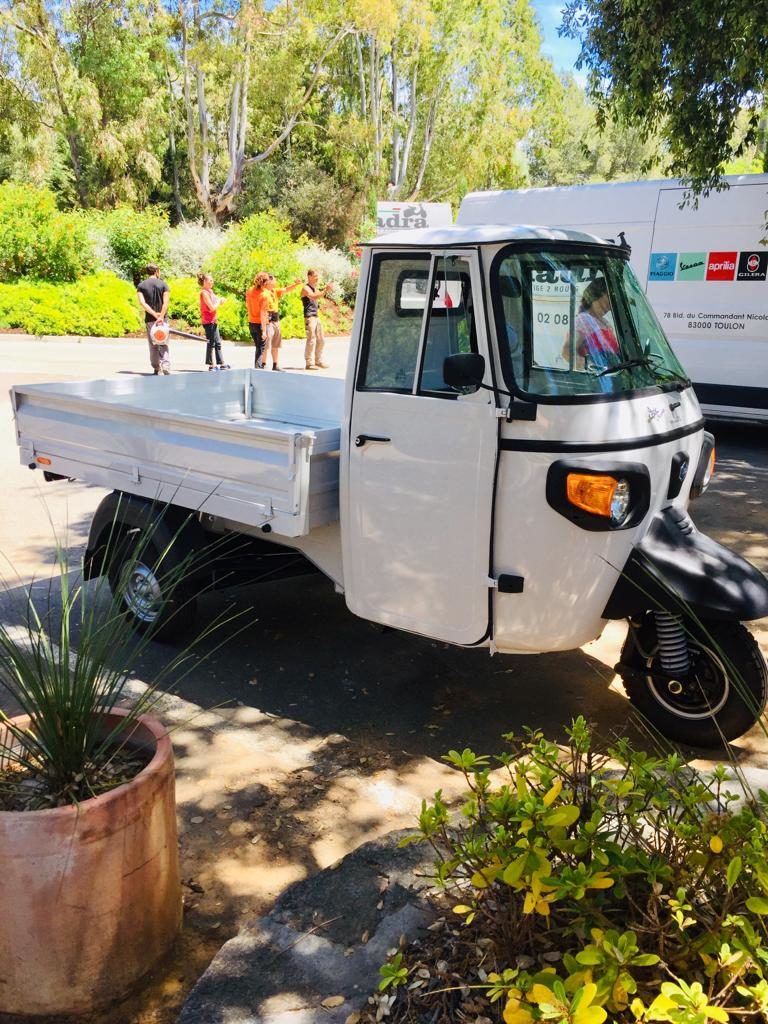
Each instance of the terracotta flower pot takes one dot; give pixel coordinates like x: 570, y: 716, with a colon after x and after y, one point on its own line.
x: 90, y: 896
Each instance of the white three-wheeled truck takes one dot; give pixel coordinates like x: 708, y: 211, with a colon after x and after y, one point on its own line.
x: 508, y: 465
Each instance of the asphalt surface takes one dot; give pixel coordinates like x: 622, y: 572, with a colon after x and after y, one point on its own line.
x: 295, y: 652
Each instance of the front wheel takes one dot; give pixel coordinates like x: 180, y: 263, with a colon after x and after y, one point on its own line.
x: 721, y: 697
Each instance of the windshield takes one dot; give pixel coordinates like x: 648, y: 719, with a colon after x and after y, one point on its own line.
x: 572, y: 323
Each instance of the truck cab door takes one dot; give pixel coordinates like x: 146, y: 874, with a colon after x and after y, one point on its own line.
x: 417, y: 493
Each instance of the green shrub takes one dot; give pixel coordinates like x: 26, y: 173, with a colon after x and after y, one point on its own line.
x: 100, y: 305
x: 190, y: 248
x: 136, y: 238
x: 626, y: 887
x: 37, y: 240
x: 262, y: 242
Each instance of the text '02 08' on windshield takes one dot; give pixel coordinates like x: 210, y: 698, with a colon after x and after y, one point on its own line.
x: 574, y: 324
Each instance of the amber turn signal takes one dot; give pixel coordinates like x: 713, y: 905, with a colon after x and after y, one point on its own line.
x: 591, y: 492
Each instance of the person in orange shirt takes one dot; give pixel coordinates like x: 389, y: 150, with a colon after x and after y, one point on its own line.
x: 257, y: 303
x: 275, y: 334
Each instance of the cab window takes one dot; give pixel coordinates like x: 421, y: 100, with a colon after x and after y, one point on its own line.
x: 398, y: 299
x: 451, y: 324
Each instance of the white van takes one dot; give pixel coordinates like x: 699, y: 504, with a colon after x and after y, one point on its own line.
x: 704, y: 270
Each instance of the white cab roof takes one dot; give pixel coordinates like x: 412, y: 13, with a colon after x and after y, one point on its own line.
x: 479, y: 234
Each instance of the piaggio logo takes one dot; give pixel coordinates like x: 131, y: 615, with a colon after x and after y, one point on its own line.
x: 721, y: 266
x: 752, y: 266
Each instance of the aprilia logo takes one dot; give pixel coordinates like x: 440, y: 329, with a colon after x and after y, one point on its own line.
x: 721, y: 266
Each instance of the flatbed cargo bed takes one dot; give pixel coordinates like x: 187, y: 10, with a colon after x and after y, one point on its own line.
x: 245, y: 445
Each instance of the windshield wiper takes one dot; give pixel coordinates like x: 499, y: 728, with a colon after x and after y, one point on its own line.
x: 627, y: 364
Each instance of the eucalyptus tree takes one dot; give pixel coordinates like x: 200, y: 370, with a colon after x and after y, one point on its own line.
x: 91, y: 73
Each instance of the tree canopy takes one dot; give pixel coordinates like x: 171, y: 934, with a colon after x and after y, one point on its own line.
x: 218, y: 108
x: 693, y: 73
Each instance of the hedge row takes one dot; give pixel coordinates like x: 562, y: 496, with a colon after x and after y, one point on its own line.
x: 100, y: 305
x: 103, y: 305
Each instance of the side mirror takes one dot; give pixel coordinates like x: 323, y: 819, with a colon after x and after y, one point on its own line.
x: 464, y: 370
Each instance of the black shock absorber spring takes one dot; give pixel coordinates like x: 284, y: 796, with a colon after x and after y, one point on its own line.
x: 673, y: 644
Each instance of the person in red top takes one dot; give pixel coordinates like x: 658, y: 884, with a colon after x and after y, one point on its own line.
x: 209, y: 313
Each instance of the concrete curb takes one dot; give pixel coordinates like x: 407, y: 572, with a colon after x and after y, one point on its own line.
x: 326, y: 936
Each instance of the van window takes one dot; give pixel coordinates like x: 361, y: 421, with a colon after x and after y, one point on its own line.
x: 573, y: 324
x: 451, y: 327
x: 393, y: 322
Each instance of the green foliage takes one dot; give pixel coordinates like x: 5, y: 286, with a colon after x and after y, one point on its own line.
x: 190, y: 247
x: 36, y: 240
x: 635, y: 886
x: 658, y: 67
x: 308, y: 198
x: 100, y: 305
x: 393, y: 974
x: 136, y: 238
x: 262, y: 242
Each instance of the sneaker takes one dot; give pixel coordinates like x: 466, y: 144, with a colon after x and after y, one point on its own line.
x: 309, y: 366
x: 322, y: 366
x: 225, y: 366
x: 278, y: 368
x: 212, y: 369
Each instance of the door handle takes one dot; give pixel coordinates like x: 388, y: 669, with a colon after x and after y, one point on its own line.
x: 362, y: 439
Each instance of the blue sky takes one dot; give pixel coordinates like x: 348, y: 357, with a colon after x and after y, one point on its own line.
x: 562, y: 51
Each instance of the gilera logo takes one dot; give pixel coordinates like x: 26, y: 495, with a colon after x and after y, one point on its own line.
x: 721, y: 266
x: 752, y: 266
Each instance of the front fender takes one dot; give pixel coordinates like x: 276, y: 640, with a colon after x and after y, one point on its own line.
x: 677, y: 568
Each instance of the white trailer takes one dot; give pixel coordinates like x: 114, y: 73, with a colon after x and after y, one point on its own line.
x: 703, y: 267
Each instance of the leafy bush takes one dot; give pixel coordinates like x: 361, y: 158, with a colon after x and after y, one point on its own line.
x: 631, y: 889
x: 37, y: 240
x: 262, y: 242
x: 190, y: 247
x: 136, y: 238
x: 306, y: 197
x: 100, y: 305
x: 333, y: 265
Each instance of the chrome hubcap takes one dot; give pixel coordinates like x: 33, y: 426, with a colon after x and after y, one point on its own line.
x: 142, y: 593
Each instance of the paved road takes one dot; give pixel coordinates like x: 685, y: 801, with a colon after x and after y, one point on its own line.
x: 304, y: 657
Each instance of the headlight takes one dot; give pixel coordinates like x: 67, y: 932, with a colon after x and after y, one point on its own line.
x: 706, y: 466
x: 599, y: 496
x: 620, y: 502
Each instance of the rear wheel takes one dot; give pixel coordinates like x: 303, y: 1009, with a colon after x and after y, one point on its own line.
x: 720, y: 698
x: 149, y: 587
